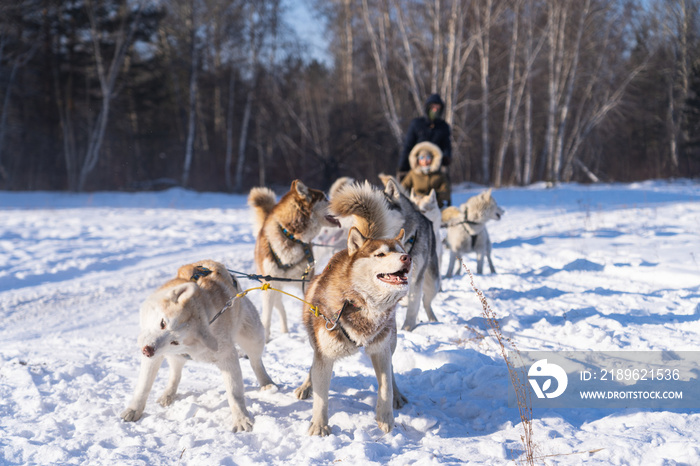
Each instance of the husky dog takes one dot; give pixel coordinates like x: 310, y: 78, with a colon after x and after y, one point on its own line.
x: 420, y: 243
x: 284, y: 233
x: 175, y: 325
x: 354, y: 306
x: 466, y: 230
x: 429, y: 207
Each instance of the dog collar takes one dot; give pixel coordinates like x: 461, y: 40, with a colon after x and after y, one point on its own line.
x: 199, y: 272
x: 411, y: 242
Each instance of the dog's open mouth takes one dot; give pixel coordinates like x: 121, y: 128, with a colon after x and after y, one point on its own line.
x: 332, y: 220
x: 396, y: 278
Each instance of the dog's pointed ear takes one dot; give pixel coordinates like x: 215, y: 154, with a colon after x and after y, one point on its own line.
x: 384, y: 178
x: 488, y: 193
x: 300, y: 189
x: 181, y: 293
x: 432, y: 196
x: 400, y: 236
x: 355, y: 241
x: 392, y: 189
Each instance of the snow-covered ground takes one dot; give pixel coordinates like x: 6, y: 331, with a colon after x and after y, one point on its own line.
x: 604, y: 267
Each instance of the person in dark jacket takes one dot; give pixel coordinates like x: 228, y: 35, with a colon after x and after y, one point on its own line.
x: 430, y: 127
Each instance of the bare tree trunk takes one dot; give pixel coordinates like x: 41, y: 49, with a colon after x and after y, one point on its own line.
x: 192, y: 108
x: 380, y: 60
x: 527, y: 123
x: 555, y: 34
x: 508, y: 119
x: 107, y: 78
x: 671, y: 125
x: 229, y: 130
x: 483, y: 38
x: 240, y: 163
x: 407, y: 58
x: 437, y: 46
x: 678, y: 18
x: 571, y: 79
x: 348, y: 64
x: 446, y: 88
x: 64, y: 105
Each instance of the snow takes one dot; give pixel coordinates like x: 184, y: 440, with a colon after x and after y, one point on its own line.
x: 603, y: 267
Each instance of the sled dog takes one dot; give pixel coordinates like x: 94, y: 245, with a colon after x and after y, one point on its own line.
x: 175, y: 325
x: 355, y: 299
x: 420, y: 243
x: 284, y: 232
x: 466, y: 230
x: 429, y: 207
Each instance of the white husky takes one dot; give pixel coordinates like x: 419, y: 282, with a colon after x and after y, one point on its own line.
x: 466, y: 230
x: 175, y: 325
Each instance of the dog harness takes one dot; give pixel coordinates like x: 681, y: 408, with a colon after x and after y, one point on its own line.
x: 199, y: 272
x: 464, y: 222
x: 336, y: 323
x: 308, y: 254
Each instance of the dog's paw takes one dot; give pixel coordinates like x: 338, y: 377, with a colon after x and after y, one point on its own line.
x: 386, y: 426
x: 271, y: 386
x: 319, y: 429
x: 131, y: 415
x: 243, y: 424
x: 407, y: 328
x: 399, y: 400
x: 166, y: 399
x: 303, y: 392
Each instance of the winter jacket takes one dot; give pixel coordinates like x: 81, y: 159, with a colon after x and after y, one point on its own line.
x: 422, y: 129
x: 436, y: 178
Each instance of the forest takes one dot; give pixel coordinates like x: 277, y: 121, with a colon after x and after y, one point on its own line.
x: 223, y: 95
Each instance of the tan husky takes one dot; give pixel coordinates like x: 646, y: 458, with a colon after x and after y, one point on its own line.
x: 466, y: 230
x: 284, y: 232
x: 355, y: 298
x: 175, y: 325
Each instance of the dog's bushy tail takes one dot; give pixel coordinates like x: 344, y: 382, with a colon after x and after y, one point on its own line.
x: 369, y: 208
x: 339, y: 184
x: 261, y: 200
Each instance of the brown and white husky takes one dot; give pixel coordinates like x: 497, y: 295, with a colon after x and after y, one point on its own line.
x: 284, y: 232
x: 354, y: 303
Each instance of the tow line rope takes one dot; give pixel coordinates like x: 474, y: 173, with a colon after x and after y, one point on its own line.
x: 267, y: 278
x: 266, y: 286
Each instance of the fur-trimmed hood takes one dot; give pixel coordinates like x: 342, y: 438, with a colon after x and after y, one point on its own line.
x: 423, y: 147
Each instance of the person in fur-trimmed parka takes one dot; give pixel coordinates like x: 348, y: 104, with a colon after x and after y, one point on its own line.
x: 427, y: 173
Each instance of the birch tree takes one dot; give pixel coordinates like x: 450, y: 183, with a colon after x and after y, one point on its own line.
x: 262, y: 22
x: 107, y: 73
x: 680, y: 22
x: 192, y: 23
